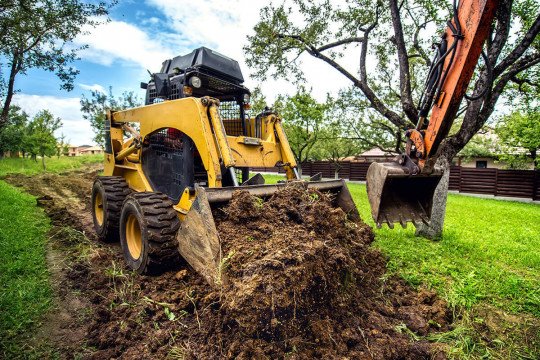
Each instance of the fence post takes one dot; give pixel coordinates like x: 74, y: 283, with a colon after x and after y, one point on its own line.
x: 459, y: 187
x: 496, y: 182
x: 536, y: 185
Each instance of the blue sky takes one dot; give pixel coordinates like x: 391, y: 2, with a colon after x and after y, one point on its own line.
x: 140, y: 36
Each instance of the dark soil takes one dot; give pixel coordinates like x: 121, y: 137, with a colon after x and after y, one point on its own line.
x: 301, y: 282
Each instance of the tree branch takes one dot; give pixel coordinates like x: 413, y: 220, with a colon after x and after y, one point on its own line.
x: 479, y: 111
x: 404, y: 74
x: 518, y: 50
x: 502, y: 30
x: 521, y: 82
x: 375, y: 102
x: 340, y: 42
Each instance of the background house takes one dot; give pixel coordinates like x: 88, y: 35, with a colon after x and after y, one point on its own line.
x: 372, y: 155
x: 73, y: 150
x: 91, y: 150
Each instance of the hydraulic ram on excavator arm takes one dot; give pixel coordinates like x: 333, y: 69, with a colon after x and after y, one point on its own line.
x: 402, y: 191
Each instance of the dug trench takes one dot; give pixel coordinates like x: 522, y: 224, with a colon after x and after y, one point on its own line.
x: 302, y: 283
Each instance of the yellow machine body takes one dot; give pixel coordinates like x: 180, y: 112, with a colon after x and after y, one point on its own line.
x: 199, y: 119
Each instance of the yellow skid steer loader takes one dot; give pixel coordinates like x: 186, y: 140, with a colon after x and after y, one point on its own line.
x: 188, y: 149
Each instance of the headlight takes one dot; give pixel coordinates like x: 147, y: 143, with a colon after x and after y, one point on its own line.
x: 246, y: 98
x: 195, y: 81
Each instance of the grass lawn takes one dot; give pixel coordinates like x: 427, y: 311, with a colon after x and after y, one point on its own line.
x: 54, y: 164
x: 488, y: 257
x: 25, y: 293
x: 487, y: 266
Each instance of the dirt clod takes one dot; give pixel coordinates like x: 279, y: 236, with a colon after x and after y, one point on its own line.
x: 302, y: 282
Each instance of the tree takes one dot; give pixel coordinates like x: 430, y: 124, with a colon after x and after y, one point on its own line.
x: 395, y: 38
x: 521, y: 131
x: 38, y: 34
x: 62, y: 147
x: 303, y: 117
x: 336, y: 142
x: 258, y: 101
x: 40, y: 139
x: 365, y: 125
x: 95, y: 108
x: 12, y: 135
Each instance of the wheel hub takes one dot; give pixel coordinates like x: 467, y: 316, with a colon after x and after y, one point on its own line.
x: 133, y: 236
x: 98, y: 208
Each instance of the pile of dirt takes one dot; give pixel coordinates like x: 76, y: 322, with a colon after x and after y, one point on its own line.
x: 301, y: 281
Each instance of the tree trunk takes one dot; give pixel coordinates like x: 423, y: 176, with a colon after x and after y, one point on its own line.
x: 15, y: 68
x: 43, y: 161
x: 299, y: 168
x: 434, y: 229
x: 337, y: 167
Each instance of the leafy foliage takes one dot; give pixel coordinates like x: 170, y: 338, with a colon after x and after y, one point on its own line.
x: 12, y: 135
x: 521, y: 130
x: 40, y: 139
x: 258, y: 101
x: 39, y: 34
x: 364, y: 124
x: 336, y: 142
x: 393, y: 40
x: 95, y: 108
x: 303, y: 118
x: 320, y: 131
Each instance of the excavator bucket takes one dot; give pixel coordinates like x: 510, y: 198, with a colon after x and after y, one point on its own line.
x: 397, y: 196
x: 198, y: 239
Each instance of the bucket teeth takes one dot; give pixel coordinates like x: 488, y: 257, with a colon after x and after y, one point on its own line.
x: 403, y: 222
x: 397, y: 196
x: 390, y: 223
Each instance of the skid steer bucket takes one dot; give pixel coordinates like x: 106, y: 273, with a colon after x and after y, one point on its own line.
x: 397, y: 196
x: 198, y: 238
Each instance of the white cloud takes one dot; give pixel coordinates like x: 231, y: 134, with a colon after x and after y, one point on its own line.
x: 119, y: 40
x: 152, y: 20
x: 94, y: 87
x: 74, y: 127
x: 224, y: 25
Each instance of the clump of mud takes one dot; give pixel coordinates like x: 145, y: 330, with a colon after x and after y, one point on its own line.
x: 301, y: 282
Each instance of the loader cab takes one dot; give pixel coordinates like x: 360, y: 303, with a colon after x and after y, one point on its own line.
x: 205, y: 72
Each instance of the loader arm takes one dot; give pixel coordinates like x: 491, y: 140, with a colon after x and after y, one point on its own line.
x: 152, y: 161
x: 402, y: 191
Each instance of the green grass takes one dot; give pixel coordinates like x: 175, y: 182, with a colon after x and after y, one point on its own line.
x: 488, y: 257
x: 25, y: 293
x: 54, y: 164
x: 488, y: 252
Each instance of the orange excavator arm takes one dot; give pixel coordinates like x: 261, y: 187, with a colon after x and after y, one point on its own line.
x: 475, y: 18
x: 402, y: 191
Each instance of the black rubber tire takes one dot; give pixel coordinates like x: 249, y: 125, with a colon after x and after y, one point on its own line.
x: 158, y: 224
x: 113, y: 191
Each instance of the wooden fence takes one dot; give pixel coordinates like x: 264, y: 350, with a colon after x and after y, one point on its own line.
x: 511, y: 183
